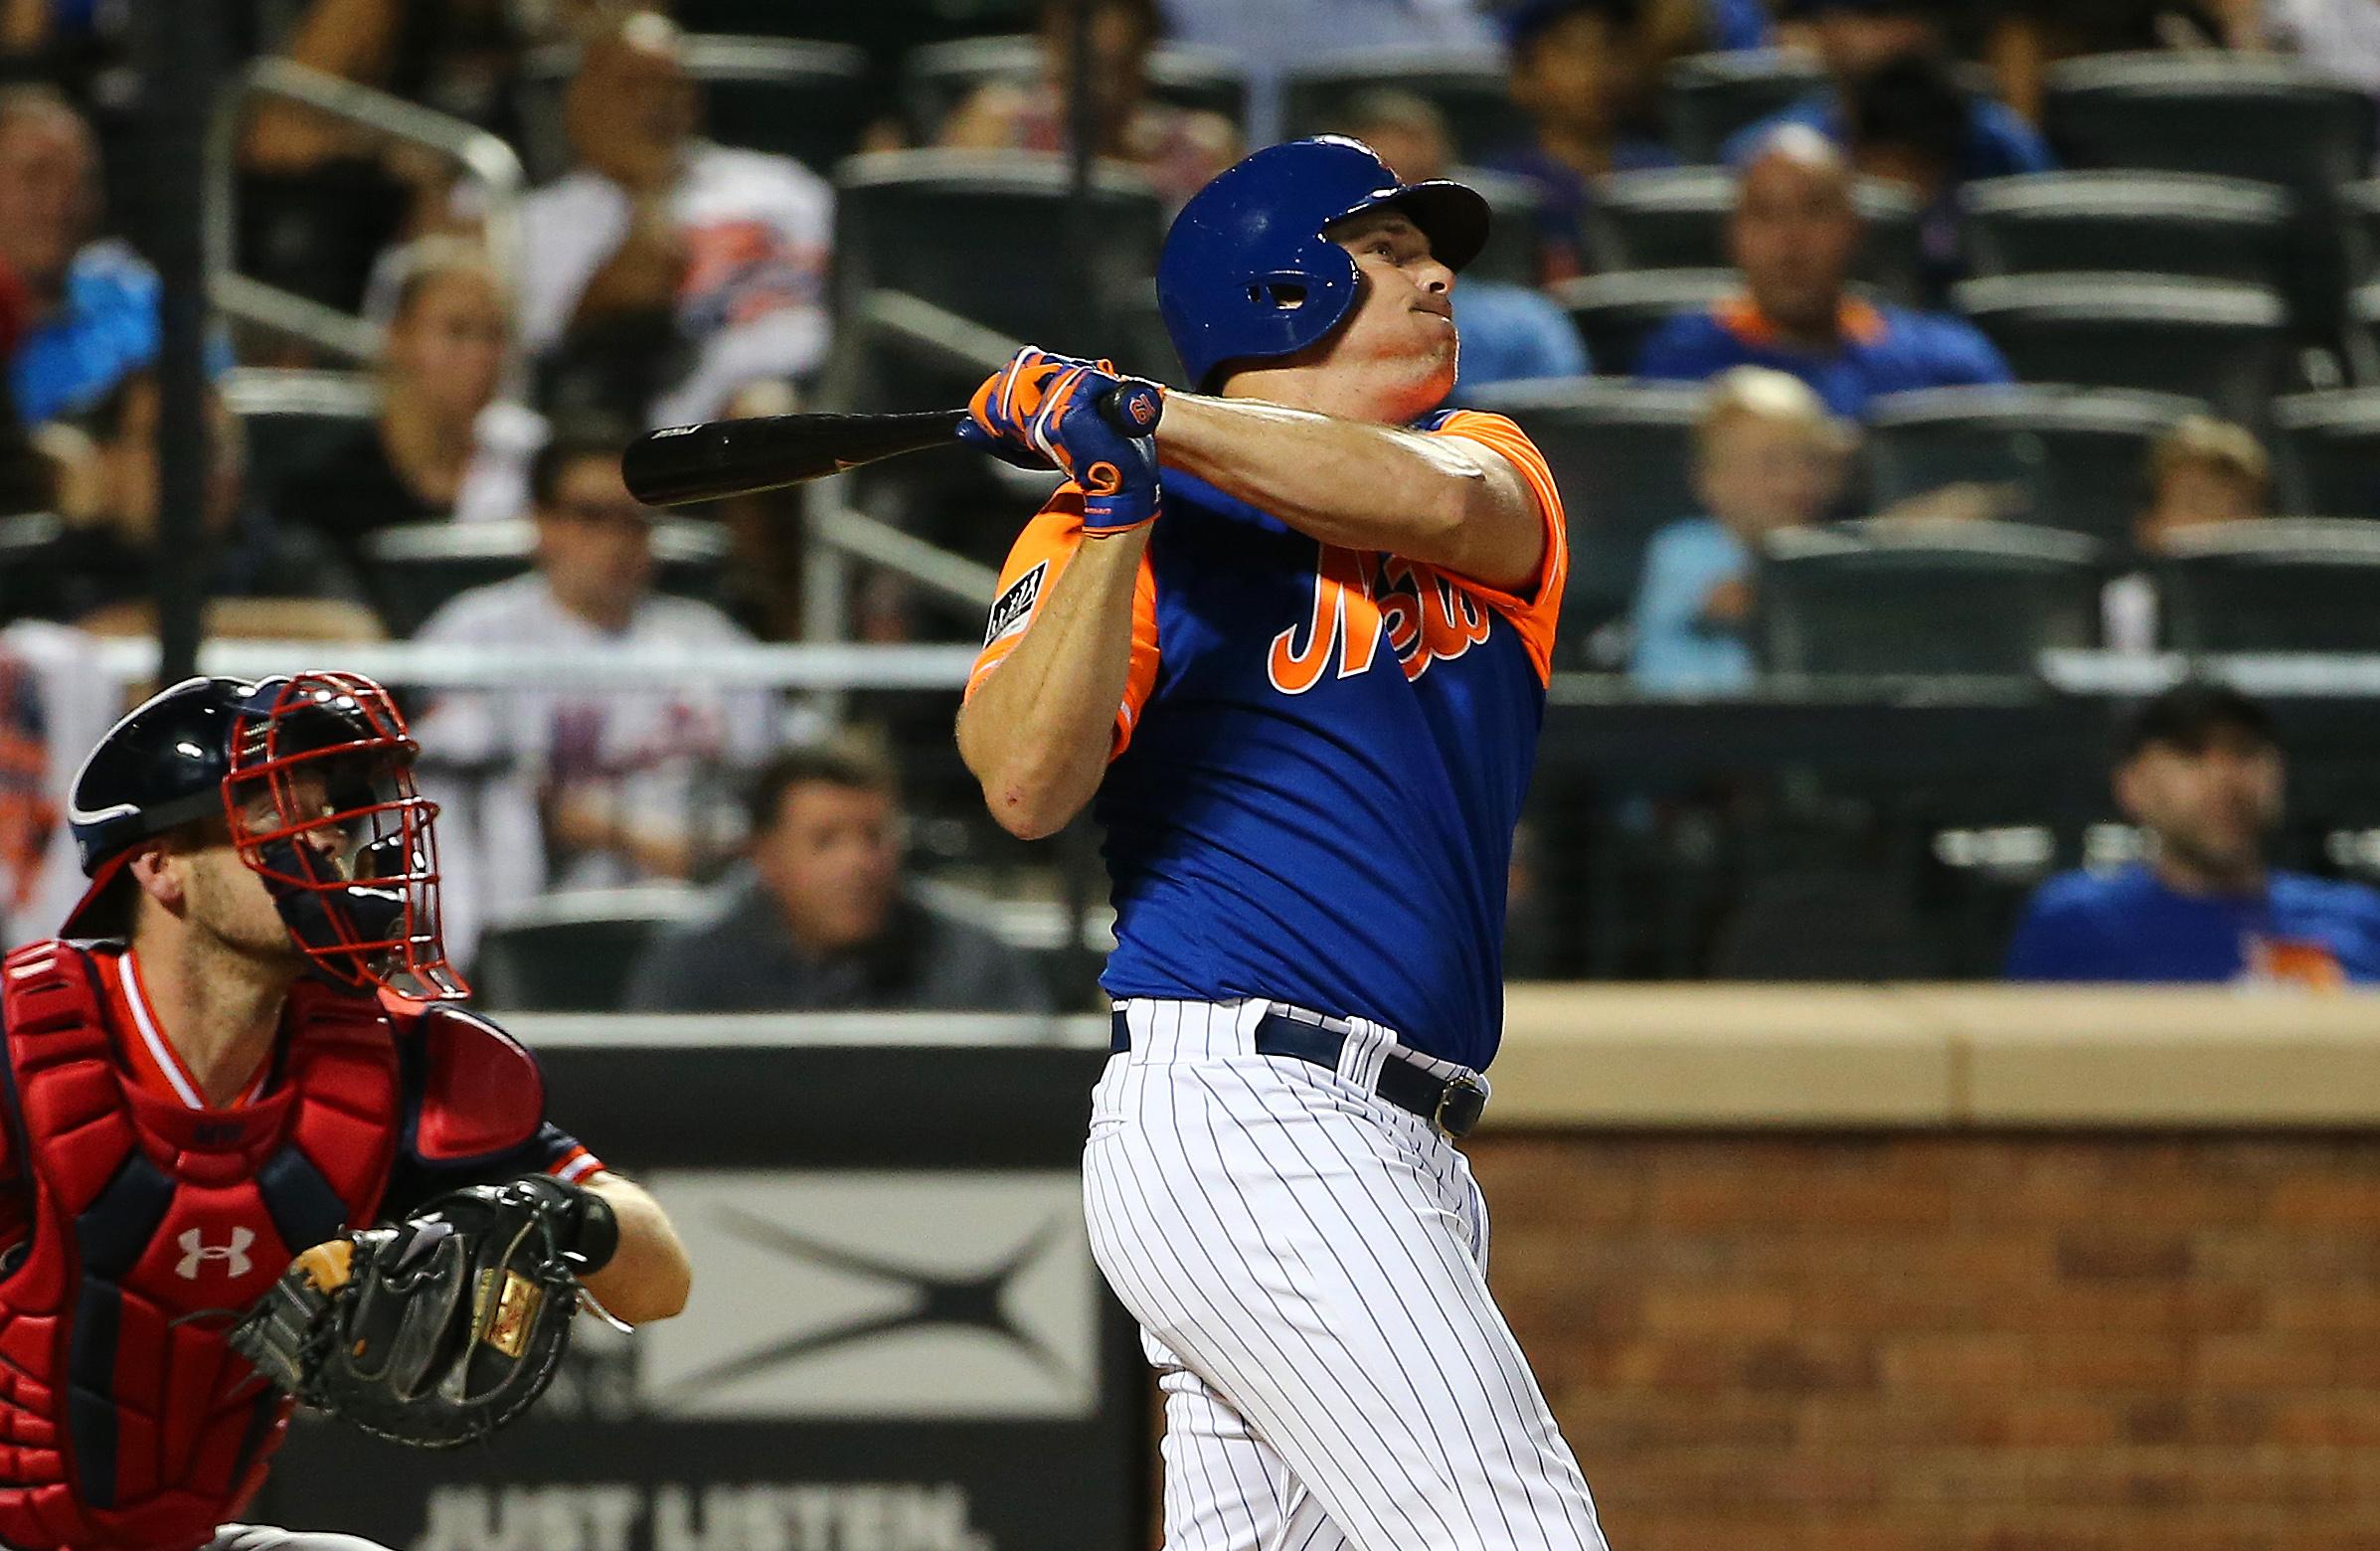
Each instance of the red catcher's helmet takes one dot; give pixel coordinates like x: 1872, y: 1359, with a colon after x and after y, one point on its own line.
x: 314, y: 773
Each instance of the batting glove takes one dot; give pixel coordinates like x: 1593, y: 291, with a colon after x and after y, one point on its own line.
x: 1083, y: 418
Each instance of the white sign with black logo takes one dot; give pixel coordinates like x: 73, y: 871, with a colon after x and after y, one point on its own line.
x: 842, y: 1294
x: 1014, y: 607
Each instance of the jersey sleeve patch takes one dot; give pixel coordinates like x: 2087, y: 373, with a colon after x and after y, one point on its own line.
x: 1534, y: 609
x: 481, y: 1092
x: 1034, y: 565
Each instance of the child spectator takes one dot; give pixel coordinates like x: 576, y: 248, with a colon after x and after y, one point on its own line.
x: 2202, y: 470
x: 1767, y: 456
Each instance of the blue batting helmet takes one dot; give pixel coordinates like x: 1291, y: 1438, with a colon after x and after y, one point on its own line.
x: 1246, y: 273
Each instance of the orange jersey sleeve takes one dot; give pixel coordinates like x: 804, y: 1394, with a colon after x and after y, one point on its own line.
x: 1034, y: 564
x: 1532, y: 610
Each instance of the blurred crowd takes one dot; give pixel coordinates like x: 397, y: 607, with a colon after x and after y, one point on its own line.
x: 1780, y: 205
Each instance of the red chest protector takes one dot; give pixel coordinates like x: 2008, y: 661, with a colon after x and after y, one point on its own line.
x: 126, y: 1420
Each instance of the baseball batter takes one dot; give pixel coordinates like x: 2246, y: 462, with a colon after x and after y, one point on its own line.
x: 1303, y: 684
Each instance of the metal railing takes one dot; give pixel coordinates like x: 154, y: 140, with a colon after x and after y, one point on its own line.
x: 482, y: 158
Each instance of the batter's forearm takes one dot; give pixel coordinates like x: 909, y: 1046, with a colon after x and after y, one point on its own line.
x: 1360, y: 486
x: 1038, y: 729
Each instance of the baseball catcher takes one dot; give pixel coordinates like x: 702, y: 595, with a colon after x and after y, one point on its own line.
x: 252, y: 1151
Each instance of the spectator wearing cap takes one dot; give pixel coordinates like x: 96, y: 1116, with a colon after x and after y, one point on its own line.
x: 1855, y: 38
x: 1509, y: 333
x: 2201, y: 470
x: 553, y: 786
x: 1178, y: 149
x: 821, y: 919
x: 1575, y: 66
x: 664, y: 274
x: 1768, y: 456
x: 442, y: 445
x: 1794, y: 235
x: 2200, y: 771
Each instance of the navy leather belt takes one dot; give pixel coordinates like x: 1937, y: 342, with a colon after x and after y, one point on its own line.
x: 1452, y: 1105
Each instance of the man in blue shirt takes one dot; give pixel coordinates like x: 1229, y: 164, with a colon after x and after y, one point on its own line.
x: 1794, y: 236
x: 1855, y: 38
x: 2199, y: 771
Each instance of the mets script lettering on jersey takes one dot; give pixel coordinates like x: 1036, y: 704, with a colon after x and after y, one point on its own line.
x: 197, y: 1252
x: 1360, y: 598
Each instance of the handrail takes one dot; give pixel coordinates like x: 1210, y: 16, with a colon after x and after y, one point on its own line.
x: 937, y: 330
x: 435, y: 665
x: 879, y: 543
x: 483, y: 157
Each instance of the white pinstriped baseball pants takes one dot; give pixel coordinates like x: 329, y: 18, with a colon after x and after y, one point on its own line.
x: 1309, y: 1266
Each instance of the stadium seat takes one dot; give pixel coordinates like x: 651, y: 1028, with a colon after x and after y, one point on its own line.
x: 2240, y: 115
x: 29, y: 564
x: 2215, y: 340
x: 1924, y: 599
x: 574, y: 951
x: 1468, y: 88
x: 790, y: 97
x: 1706, y: 97
x: 1675, y: 217
x: 2330, y: 453
x: 1613, y: 314
x: 416, y: 569
x: 2079, y: 456
x: 939, y: 77
x: 1510, y: 256
x: 288, y: 416
x: 1623, y: 454
x: 2276, y: 584
x: 981, y: 234
x: 2225, y: 228
x: 2359, y: 213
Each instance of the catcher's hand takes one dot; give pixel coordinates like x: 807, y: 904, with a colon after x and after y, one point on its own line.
x: 440, y: 1329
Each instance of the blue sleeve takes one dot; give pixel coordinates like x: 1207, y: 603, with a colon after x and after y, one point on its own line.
x: 1738, y: 23
x: 2007, y: 143
x: 1681, y: 350
x: 1554, y: 349
x: 2053, y: 941
x: 1672, y: 650
x: 1966, y: 356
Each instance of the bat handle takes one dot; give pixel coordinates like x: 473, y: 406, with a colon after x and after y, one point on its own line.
x: 1134, y: 409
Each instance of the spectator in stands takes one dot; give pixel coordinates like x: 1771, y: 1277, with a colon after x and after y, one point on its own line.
x: 1907, y: 121
x: 272, y: 582
x: 2200, y: 770
x: 1263, y: 37
x: 1177, y: 148
x: 322, y: 197
x: 1855, y: 38
x: 664, y: 273
x: 1575, y: 64
x: 442, y: 446
x: 93, y: 304
x: 1768, y: 456
x: 1509, y: 332
x: 820, y: 920
x: 1794, y: 235
x: 2202, y: 470
x: 2025, y: 38
x: 2340, y: 38
x: 546, y: 787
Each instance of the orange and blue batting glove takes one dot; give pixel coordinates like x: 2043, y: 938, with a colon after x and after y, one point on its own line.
x: 1095, y: 425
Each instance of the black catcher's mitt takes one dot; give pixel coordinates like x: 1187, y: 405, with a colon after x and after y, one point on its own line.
x: 440, y: 1329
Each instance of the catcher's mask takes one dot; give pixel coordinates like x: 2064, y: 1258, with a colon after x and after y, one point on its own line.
x: 320, y: 798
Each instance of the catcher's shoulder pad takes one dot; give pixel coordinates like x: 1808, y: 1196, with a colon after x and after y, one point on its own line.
x: 482, y: 1092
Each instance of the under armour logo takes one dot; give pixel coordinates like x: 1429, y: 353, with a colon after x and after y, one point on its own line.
x: 196, y: 1251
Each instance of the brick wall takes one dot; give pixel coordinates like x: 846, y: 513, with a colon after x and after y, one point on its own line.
x: 1931, y: 1342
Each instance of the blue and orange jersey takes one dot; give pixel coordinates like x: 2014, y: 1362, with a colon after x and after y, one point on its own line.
x: 1318, y: 761
x: 1878, y: 351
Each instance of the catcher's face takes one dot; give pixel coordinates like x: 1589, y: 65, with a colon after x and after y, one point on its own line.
x: 223, y: 898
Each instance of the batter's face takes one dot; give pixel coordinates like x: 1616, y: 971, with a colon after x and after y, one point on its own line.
x: 2210, y: 808
x: 1402, y: 331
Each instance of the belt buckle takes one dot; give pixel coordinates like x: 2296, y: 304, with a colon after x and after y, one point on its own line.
x: 1459, y: 1106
